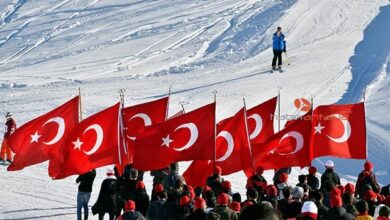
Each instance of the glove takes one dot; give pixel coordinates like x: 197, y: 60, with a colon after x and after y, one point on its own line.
x: 284, y: 50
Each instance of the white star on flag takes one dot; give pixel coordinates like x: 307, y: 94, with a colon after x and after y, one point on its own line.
x: 77, y: 144
x: 318, y: 128
x: 166, y: 141
x: 35, y: 137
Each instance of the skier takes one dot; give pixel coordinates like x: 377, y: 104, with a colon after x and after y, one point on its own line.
x: 84, y: 193
x: 278, y: 46
x: 10, y: 127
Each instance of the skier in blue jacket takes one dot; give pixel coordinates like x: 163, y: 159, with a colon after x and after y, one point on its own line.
x: 279, y: 46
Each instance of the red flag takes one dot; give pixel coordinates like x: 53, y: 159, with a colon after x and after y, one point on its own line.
x: 198, y: 172
x: 37, y: 139
x: 287, y: 148
x: 340, y: 131
x: 261, y: 121
x: 93, y: 143
x: 186, y: 137
x: 232, y: 151
x: 136, y: 118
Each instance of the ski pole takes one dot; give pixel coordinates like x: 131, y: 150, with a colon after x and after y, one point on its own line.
x: 287, y: 58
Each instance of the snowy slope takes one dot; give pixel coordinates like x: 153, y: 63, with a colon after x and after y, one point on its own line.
x: 50, y: 48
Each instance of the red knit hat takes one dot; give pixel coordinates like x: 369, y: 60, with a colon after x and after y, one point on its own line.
x: 369, y: 195
x: 218, y: 170
x: 350, y: 188
x: 184, y: 200
x: 312, y: 170
x: 235, y: 206
x: 158, y: 188
x: 335, y: 192
x: 336, y: 201
x: 226, y: 185
x: 271, y: 190
x: 192, y: 192
x: 140, y: 185
x: 129, y: 205
x: 207, y: 188
x: 223, y: 199
x: 342, y: 189
x: 283, y: 177
x: 247, y: 203
x: 200, y: 203
x: 368, y: 166
x: 260, y: 170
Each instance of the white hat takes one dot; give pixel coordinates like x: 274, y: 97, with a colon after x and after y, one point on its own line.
x: 329, y: 163
x: 9, y: 114
x: 309, y: 208
x: 297, y: 192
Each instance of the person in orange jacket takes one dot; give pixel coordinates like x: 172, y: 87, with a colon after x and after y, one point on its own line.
x: 10, y: 127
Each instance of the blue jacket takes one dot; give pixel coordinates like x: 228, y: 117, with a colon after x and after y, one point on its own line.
x: 278, y: 42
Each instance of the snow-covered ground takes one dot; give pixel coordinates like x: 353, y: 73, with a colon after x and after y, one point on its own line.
x: 48, y: 49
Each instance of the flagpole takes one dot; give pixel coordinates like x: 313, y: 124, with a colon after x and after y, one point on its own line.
x: 215, y: 132
x: 80, y: 108
x: 279, y: 88
x: 364, y: 104
x: 248, y: 138
x: 124, y: 143
x: 312, y: 115
x: 169, y: 100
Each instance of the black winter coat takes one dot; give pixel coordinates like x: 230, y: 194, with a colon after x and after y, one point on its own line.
x: 293, y: 209
x: 226, y: 213
x: 329, y: 176
x: 131, y: 216
x: 338, y: 213
x: 141, y: 200
x: 86, y: 181
x: 154, y: 208
x: 313, y: 182
x: 108, y: 195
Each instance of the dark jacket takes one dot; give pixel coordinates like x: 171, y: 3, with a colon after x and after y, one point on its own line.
x: 313, y: 182
x: 329, y: 176
x: 154, y: 208
x: 171, y: 180
x: 131, y: 216
x: 159, y: 175
x: 283, y: 207
x: 338, y: 213
x: 215, y: 184
x: 293, y: 209
x: 226, y: 213
x: 128, y: 189
x: 277, y: 174
x: 10, y: 127
x: 366, y: 178
x: 141, y: 199
x: 351, y: 209
x: 106, y: 201
x: 322, y: 210
x: 257, y: 182
x: 86, y: 181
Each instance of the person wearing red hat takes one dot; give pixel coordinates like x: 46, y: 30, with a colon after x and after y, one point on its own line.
x: 227, y: 187
x: 157, y: 205
x: 200, y: 211
x: 141, y: 198
x: 309, y: 211
x: 367, y: 178
x: 257, y: 182
x: 215, y: 181
x: 336, y: 210
x: 312, y: 180
x: 283, y: 177
x: 371, y: 198
x: 6, y: 152
x: 130, y: 212
x: 222, y: 208
x: 348, y: 203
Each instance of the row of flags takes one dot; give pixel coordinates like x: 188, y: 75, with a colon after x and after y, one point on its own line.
x: 144, y: 136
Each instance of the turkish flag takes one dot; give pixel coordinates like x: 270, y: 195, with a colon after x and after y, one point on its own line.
x: 185, y: 137
x: 198, y: 172
x: 37, y: 139
x: 136, y: 118
x: 340, y: 131
x: 287, y: 148
x: 93, y: 143
x: 232, y: 151
x: 261, y: 121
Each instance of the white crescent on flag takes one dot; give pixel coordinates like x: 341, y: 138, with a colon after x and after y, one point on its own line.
x: 230, y: 143
x: 99, y: 138
x: 258, y: 127
x: 194, y: 135
x: 60, y: 132
x: 145, y: 118
x: 347, y: 129
x: 299, y: 142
